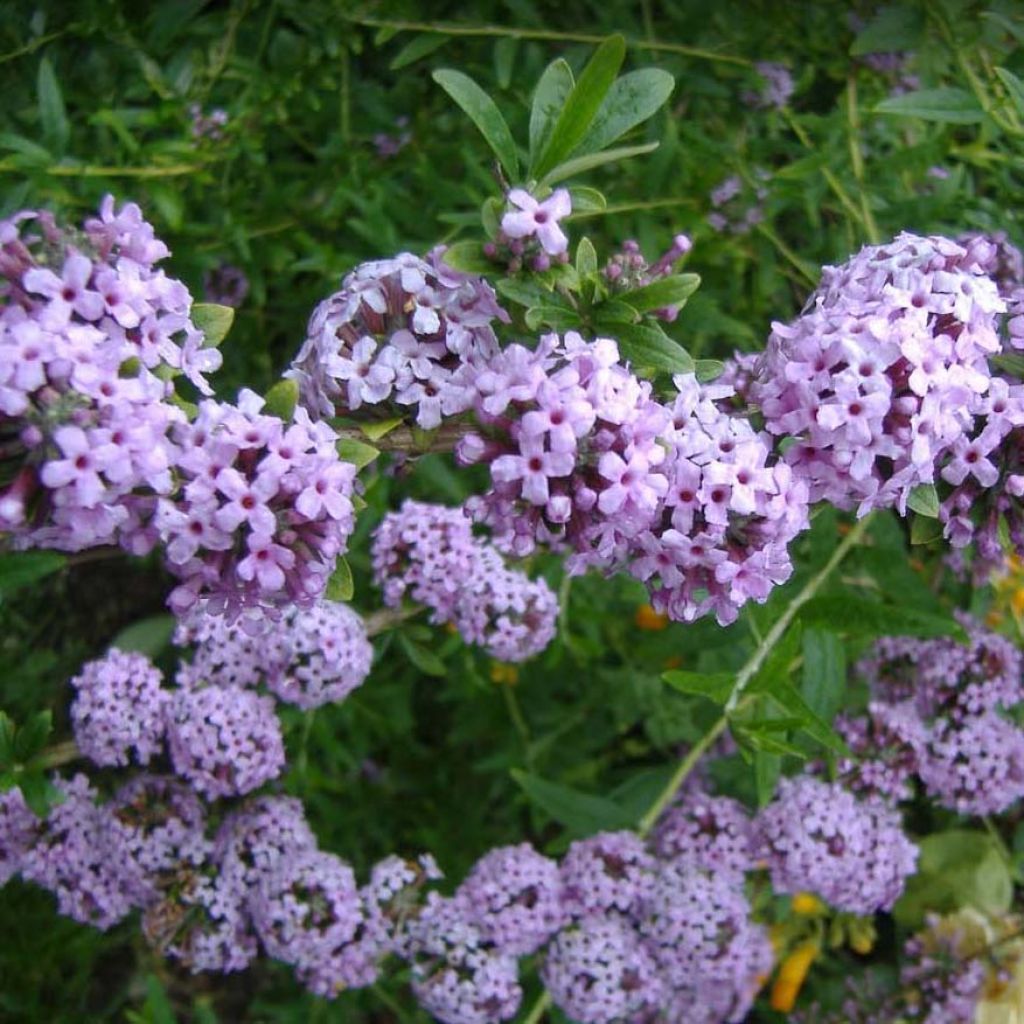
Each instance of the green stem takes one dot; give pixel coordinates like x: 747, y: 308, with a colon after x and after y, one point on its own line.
x: 857, y: 159
x: 798, y: 264
x: 449, y: 29
x: 538, y: 1009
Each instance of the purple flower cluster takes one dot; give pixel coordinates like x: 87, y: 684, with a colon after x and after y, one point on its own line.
x: 428, y: 552
x: 582, y: 457
x: 628, y: 270
x: 119, y: 709
x: 264, y: 510
x: 404, y: 332
x: 226, y: 285
x: 819, y: 837
x: 308, y: 656
x: 883, y: 381
x: 207, y: 126
x: 737, y: 204
x: 775, y: 89
x: 937, y: 716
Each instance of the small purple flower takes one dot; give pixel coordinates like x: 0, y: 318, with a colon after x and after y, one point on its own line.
x: 539, y: 219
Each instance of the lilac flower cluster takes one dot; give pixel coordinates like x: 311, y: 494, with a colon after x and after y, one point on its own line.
x: 428, y: 552
x: 87, y: 322
x: 737, y: 204
x: 628, y: 270
x: 308, y: 656
x: 937, y: 716
x: 207, y: 126
x: 818, y: 837
x: 884, y: 380
x: 390, y: 145
x: 264, y: 510
x: 226, y: 285
x: 404, y: 332
x: 582, y: 457
x: 775, y: 89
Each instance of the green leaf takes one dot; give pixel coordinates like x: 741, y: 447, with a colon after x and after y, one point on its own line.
x: 214, y: 321
x: 582, y: 105
x: 52, y: 115
x: 924, y: 530
x: 18, y: 570
x: 282, y: 398
x: 716, y: 686
x: 356, y: 452
x: 7, y: 734
x: 859, y: 616
x: 615, y: 312
x: 631, y: 100
x: 157, y: 1008
x: 824, y: 672
x: 708, y: 370
x: 586, y: 257
x: 522, y: 293
x: 651, y: 347
x: 422, y: 657
x: 788, y: 698
x: 505, y: 50
x: 924, y: 500
x: 34, y: 154
x: 31, y: 737
x: 580, y: 164
x: 945, y: 105
x: 149, y: 636
x: 553, y: 89
x: 340, y: 587
x: 1009, y: 362
x: 417, y: 48
x: 39, y: 793
x: 666, y: 291
x: 490, y: 216
x: 767, y: 769
x: 1014, y: 86
x: 587, y: 200
x: 558, y: 318
x: 380, y: 428
x: 469, y: 257
x: 483, y: 112
x: 892, y: 29
x: 957, y: 868
x: 582, y: 813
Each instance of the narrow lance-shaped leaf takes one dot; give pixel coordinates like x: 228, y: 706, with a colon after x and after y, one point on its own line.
x: 581, y: 164
x: 581, y: 813
x: 668, y: 291
x: 549, y: 98
x: 52, y: 115
x: 582, y: 104
x: 945, y: 105
x: 484, y: 113
x: 631, y: 100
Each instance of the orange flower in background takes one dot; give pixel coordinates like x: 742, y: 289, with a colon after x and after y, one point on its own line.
x: 791, y: 976
x: 647, y: 618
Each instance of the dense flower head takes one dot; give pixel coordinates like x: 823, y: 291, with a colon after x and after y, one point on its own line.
x: 818, y: 837
x: 883, y: 380
x: 18, y: 830
x: 458, y: 976
x: 708, y: 832
x: 886, y: 744
x: 264, y: 509
x: 306, y: 656
x: 776, y: 86
x: 73, y: 858
x: 610, y: 871
x: 307, y: 910
x: 157, y: 827
x: 224, y: 740
x: 402, y: 332
x: 514, y: 897
x: 599, y: 971
x: 737, y: 203
x: 119, y: 709
x: 428, y: 553
x: 698, y: 926
x: 975, y: 766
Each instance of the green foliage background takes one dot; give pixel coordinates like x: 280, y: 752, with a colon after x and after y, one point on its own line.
x: 431, y: 753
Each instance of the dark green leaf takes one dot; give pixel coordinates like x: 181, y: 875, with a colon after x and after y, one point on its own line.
x: 52, y: 115
x: 581, y: 813
x: 505, y: 51
x: 767, y: 769
x: 380, y: 428
x: 422, y: 657
x: 631, y: 100
x: 924, y: 500
x: 282, y: 398
x: 824, y: 672
x: 18, y: 570
x: 924, y: 530
x: 708, y: 370
x: 651, y: 348
x: 587, y: 200
x: 1015, y: 88
x: 39, y: 793
x: 947, y: 105
x: 34, y: 154
x: 469, y: 257
x: 582, y: 105
x: 7, y: 733
x: 549, y: 98
x: 340, y: 587
x: 1009, y: 362
x: 586, y: 258
x: 483, y: 112
x: 615, y: 312
x: 788, y: 698
x: 892, y: 29
x: 490, y: 216
x: 859, y: 616
x: 558, y: 318
x: 715, y: 686
x: 523, y: 293
x: 214, y: 321
x: 417, y: 48
x: 148, y: 636
x: 667, y: 291
x: 580, y: 164
x: 31, y: 736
